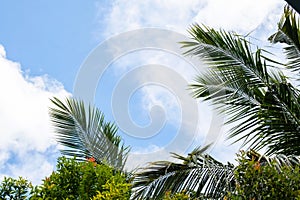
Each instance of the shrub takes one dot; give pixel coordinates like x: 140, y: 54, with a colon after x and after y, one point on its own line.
x: 261, y: 180
x: 177, y: 196
x: 15, y: 188
x: 79, y: 180
x: 114, y: 191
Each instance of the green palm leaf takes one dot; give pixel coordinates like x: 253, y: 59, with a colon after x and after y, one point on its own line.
x: 258, y: 99
x: 289, y: 33
x: 198, y: 174
x: 84, y: 133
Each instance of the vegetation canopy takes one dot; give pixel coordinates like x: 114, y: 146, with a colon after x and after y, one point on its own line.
x: 259, y: 95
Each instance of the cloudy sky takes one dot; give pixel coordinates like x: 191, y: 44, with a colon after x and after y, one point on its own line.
x: 44, y: 48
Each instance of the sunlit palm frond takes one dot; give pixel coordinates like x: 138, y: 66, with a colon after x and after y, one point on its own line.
x: 84, y: 133
x: 289, y: 33
x: 243, y: 86
x: 198, y: 174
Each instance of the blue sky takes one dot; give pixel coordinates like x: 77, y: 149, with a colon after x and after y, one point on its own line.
x: 43, y: 45
x: 49, y: 37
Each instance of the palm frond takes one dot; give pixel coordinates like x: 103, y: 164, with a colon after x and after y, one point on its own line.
x: 289, y: 33
x: 281, y: 114
x: 84, y: 133
x: 198, y: 174
x: 242, y: 85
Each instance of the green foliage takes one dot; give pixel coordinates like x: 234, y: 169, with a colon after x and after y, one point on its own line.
x: 15, y: 188
x: 259, y: 179
x: 114, y: 191
x: 80, y: 180
x: 177, y: 196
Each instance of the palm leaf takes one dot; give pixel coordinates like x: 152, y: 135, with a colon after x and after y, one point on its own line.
x: 198, y: 174
x: 242, y: 85
x: 84, y: 133
x: 289, y: 33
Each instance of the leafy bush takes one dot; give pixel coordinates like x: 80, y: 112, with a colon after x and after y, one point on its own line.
x: 256, y: 179
x: 15, y: 188
x: 72, y: 180
x: 114, y: 191
x: 80, y: 180
x: 177, y: 196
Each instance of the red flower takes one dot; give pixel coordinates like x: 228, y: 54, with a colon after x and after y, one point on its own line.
x: 256, y: 165
x: 93, y: 160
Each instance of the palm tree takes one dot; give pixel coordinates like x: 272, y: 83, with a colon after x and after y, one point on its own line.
x: 261, y: 102
x: 249, y: 88
x: 85, y: 134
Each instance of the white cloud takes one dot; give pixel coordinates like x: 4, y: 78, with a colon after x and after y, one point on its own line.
x: 27, y: 141
x: 128, y: 15
x: 2, y: 52
x: 241, y: 16
x: 142, y: 157
x: 236, y: 15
